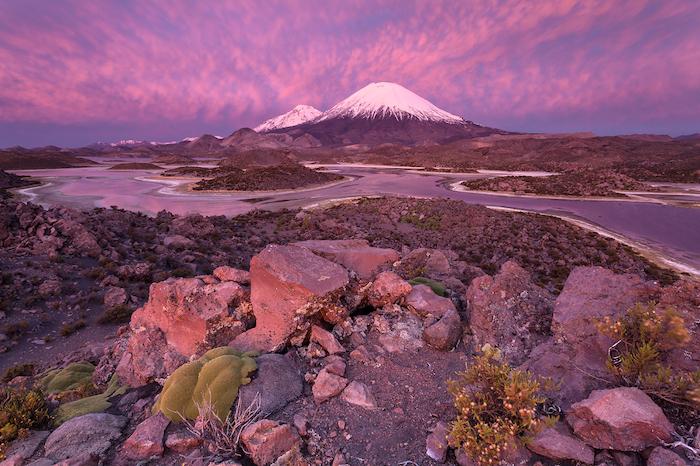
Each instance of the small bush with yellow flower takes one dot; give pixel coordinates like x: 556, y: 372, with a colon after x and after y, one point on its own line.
x: 645, y: 335
x: 20, y: 410
x: 496, y: 405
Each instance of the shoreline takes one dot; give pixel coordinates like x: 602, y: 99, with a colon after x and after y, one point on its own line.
x: 183, y: 186
x: 629, y: 196
x: 651, y: 254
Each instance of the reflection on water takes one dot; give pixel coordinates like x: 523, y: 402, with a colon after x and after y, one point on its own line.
x: 675, y: 230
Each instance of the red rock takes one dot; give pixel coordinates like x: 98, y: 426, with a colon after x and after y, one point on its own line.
x: 326, y: 339
x: 423, y: 300
x: 445, y: 333
x: 577, y: 352
x: 664, y: 457
x: 147, y: 440
x: 182, y: 442
x: 591, y: 293
x: 267, y: 440
x: 354, y: 254
x: 509, y: 311
x: 184, y: 308
x: 181, y: 318
x: 361, y: 354
x: 387, y: 288
x: 621, y: 418
x: 115, y: 296
x: 358, y: 394
x: 327, y: 385
x: 283, y: 280
x: 436, y: 444
x: 559, y: 444
x: 335, y: 365
x: 229, y: 274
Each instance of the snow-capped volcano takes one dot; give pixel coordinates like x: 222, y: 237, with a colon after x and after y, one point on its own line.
x: 388, y: 100
x: 296, y: 116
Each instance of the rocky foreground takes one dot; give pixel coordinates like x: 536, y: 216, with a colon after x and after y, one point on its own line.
x: 341, y: 348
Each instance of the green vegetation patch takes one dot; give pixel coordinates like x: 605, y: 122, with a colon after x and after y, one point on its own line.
x: 90, y: 404
x: 212, y: 379
x: 72, y: 377
x: 437, y: 287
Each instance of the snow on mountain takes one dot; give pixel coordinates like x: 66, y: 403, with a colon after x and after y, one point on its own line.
x: 384, y: 99
x: 296, y: 116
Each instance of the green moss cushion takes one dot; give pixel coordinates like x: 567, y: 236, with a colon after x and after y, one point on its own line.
x: 90, y: 404
x: 71, y: 377
x: 214, y: 378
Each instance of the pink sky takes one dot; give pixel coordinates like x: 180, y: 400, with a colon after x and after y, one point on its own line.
x: 73, y: 72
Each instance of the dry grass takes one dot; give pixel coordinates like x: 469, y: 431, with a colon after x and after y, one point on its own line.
x: 223, y: 437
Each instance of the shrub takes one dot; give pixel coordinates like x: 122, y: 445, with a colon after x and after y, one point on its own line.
x: 119, y: 314
x: 72, y: 327
x: 437, y: 287
x: 645, y: 335
x: 496, y: 405
x: 212, y: 379
x: 20, y: 410
x: 17, y: 371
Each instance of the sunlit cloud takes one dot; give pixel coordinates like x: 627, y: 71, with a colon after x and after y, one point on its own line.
x: 540, y: 65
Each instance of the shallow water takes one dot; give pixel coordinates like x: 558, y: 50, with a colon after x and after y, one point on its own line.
x: 672, y: 230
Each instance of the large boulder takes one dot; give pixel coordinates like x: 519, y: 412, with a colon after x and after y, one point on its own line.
x: 184, y: 309
x: 577, y: 352
x: 622, y: 418
x: 509, y: 311
x: 354, y: 254
x: 285, y: 279
x: 278, y: 381
x: 91, y: 434
x: 182, y: 318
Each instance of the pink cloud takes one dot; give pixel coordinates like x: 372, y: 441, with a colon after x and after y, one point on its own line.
x: 241, y: 61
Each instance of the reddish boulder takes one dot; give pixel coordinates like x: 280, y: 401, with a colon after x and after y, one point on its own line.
x: 147, y: 439
x: 181, y: 318
x: 183, y: 309
x: 621, y: 418
x: 387, y: 288
x: 509, y: 311
x: 444, y: 334
x: 577, y: 352
x: 591, y: 293
x: 267, y: 440
x: 664, y: 457
x: 182, y: 442
x: 284, y: 279
x: 423, y: 300
x: 354, y: 254
x: 115, y: 296
x: 327, y: 385
x: 558, y: 444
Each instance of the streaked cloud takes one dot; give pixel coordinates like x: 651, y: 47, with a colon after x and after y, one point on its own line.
x: 177, y: 66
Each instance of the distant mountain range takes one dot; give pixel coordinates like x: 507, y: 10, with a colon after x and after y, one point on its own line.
x: 378, y: 114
